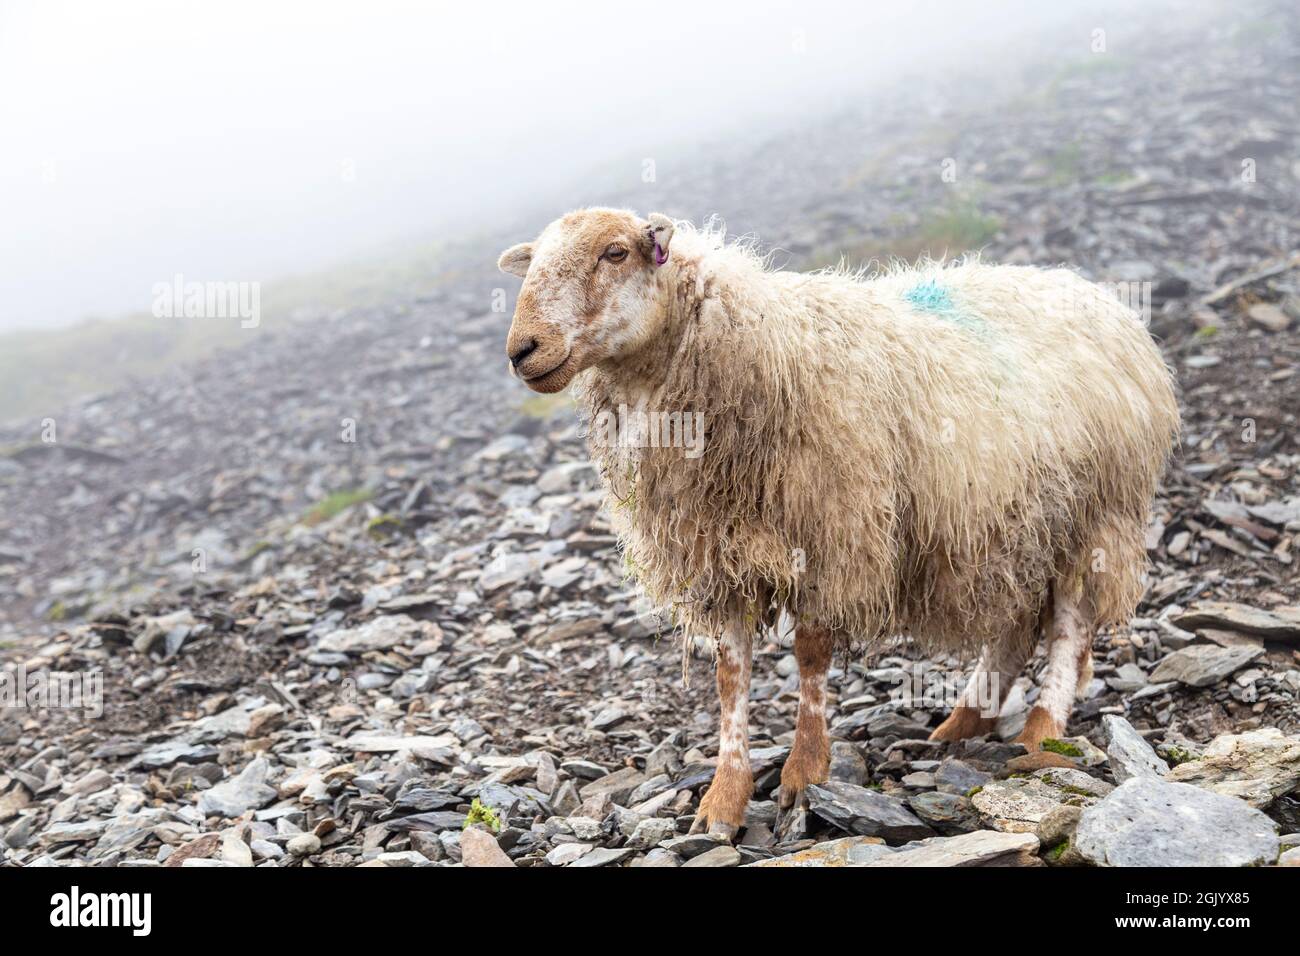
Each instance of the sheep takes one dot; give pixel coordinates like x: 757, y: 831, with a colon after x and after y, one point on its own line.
x: 961, y: 453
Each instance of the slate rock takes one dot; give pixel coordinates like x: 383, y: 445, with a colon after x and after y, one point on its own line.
x: 980, y: 848
x: 947, y: 813
x: 566, y: 853
x: 1280, y: 624
x: 831, y: 853
x: 603, y: 856
x: 719, y: 856
x: 1018, y: 804
x: 954, y: 776
x: 865, y: 812
x: 1259, y: 766
x: 380, y: 633
x: 618, y: 786
x: 1149, y: 821
x: 1201, y: 665
x: 1130, y: 755
x: 247, y: 791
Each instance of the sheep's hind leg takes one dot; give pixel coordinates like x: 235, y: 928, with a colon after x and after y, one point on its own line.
x: 981, y: 699
x: 810, y: 758
x: 722, y: 810
x: 1069, y: 666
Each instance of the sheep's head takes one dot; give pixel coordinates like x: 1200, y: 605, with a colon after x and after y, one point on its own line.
x: 589, y: 293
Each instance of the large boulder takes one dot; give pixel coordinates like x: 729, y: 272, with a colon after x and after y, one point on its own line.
x: 1148, y: 821
x: 1258, y: 766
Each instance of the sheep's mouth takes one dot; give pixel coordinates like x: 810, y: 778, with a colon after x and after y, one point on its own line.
x: 553, y: 379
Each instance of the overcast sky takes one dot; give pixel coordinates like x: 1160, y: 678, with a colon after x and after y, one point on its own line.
x: 235, y: 140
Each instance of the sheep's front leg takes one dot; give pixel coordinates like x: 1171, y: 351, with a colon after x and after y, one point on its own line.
x: 722, y: 810
x: 810, y: 758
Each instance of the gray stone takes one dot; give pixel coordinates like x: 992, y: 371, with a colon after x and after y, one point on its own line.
x: 618, y: 786
x: 981, y: 848
x: 651, y: 832
x: 1279, y: 624
x: 74, y: 831
x: 391, y: 743
x: 659, y: 857
x: 718, y: 856
x: 1258, y: 766
x: 378, y: 634
x: 1201, y: 665
x: 584, y: 769
x: 609, y: 717
x: 509, y: 569
x: 603, y: 856
x: 92, y: 782
x: 865, y: 812
x: 1059, y: 824
x: 1149, y: 821
x: 947, y: 813
x: 265, y: 850
x: 566, y: 477
x: 304, y: 844
x: 1127, y: 678
x: 584, y: 828
x: 173, y: 751
x: 248, y: 791
x: 828, y: 854
x: 436, y: 821
x: 693, y: 844
x: 953, y: 776
x: 847, y: 763
x: 566, y: 853
x: 1073, y: 782
x: 1130, y: 755
x: 1018, y: 804
x: 235, y: 850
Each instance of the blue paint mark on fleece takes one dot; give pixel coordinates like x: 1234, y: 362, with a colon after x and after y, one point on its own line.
x: 930, y: 296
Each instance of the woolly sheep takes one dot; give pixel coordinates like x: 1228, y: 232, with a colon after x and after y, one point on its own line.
x: 964, y: 454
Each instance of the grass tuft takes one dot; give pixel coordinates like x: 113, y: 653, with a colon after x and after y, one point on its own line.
x: 334, y: 505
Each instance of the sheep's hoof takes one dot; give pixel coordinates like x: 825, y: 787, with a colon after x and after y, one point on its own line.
x: 787, y: 798
x: 702, y: 824
x: 964, y: 722
x: 1039, y: 726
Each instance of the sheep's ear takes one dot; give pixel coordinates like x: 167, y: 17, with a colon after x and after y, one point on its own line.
x: 659, y: 231
x: 515, y: 260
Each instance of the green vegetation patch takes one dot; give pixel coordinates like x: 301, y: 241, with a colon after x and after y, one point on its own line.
x: 335, y: 504
x: 1055, y: 746
x: 478, y: 813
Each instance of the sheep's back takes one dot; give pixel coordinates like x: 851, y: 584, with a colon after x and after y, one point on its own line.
x: 1004, y: 424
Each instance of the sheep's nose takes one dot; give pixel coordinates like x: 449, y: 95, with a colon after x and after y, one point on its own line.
x: 521, y: 353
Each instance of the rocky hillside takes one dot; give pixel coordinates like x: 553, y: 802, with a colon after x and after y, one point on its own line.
x: 349, y: 585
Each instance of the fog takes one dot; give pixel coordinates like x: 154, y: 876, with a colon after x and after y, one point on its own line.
x: 243, y: 140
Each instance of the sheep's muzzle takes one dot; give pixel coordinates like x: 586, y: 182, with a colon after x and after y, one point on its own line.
x: 544, y: 361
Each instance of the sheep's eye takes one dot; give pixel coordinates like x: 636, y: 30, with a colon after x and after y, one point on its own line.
x: 615, y: 254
